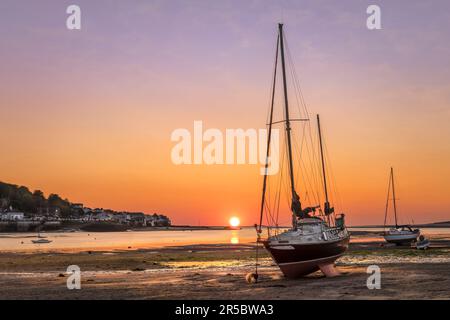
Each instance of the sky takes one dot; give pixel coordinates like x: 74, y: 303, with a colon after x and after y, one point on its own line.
x: 88, y: 113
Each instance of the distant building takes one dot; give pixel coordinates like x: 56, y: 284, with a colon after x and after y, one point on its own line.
x: 137, y: 218
x: 120, y: 217
x: 150, y: 221
x: 156, y: 221
x: 12, y: 216
x: 163, y: 221
x: 76, y: 210
x: 103, y: 216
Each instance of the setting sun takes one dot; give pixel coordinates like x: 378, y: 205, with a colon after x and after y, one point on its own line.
x: 234, y: 222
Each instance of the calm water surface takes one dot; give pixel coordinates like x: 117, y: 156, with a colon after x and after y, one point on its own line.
x: 80, y: 241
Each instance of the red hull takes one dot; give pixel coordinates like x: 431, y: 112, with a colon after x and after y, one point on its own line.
x: 297, y: 260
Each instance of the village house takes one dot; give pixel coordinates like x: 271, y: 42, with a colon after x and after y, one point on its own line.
x: 12, y: 216
x: 155, y: 220
x: 103, y: 216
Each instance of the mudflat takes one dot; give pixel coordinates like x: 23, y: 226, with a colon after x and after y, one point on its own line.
x: 218, y: 272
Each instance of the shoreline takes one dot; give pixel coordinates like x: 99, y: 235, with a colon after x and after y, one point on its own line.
x: 31, y: 226
x: 97, y: 226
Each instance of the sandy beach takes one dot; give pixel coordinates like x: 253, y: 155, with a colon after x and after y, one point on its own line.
x: 217, y: 271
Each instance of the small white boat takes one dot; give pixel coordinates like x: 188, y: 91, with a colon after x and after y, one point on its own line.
x: 41, y: 238
x: 399, y: 234
x: 423, y: 243
x: 41, y: 241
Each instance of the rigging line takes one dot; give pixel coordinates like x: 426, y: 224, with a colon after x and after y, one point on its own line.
x: 313, y: 169
x: 333, y: 178
x: 291, y: 120
x: 276, y: 183
x: 272, y: 80
x: 297, y: 98
x: 268, y: 203
x: 300, y: 155
x: 269, y: 135
x: 299, y: 159
x: 322, y: 185
x: 316, y: 165
x: 297, y: 94
x: 303, y: 103
x: 313, y: 157
x: 296, y: 79
x: 269, y: 216
x: 273, y: 211
x: 277, y: 199
x: 306, y: 176
x: 328, y: 168
x: 268, y: 200
x: 285, y: 184
x: 297, y: 91
x: 312, y: 180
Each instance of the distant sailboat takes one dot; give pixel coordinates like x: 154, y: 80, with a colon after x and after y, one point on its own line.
x: 399, y: 234
x: 41, y: 241
x: 317, y: 237
x: 41, y: 238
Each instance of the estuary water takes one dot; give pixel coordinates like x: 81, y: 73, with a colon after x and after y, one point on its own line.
x: 132, y: 240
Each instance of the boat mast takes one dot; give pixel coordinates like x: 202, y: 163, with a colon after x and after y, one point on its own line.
x: 327, y: 204
x: 387, y: 200
x: 288, y: 125
x: 393, y: 194
x: 266, y: 165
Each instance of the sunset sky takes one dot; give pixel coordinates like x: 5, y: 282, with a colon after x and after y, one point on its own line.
x: 88, y: 114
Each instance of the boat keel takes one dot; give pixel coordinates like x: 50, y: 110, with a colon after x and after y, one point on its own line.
x: 329, y: 270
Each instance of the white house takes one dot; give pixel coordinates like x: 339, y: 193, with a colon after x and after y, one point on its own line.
x: 12, y: 216
x: 103, y: 216
x: 150, y: 221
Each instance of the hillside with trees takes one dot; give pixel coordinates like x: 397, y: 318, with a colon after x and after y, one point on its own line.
x: 36, y: 205
x: 22, y: 199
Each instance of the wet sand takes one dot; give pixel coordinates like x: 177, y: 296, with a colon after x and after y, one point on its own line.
x: 218, y: 272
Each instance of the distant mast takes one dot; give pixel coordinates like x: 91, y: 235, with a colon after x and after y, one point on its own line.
x: 393, y: 195
x: 391, y: 183
x: 327, y: 209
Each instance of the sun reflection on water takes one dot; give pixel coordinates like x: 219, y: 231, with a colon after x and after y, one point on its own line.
x: 234, y: 237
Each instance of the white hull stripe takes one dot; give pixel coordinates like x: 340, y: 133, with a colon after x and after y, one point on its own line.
x: 283, y: 248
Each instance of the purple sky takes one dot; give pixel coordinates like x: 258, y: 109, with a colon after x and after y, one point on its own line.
x: 385, y: 93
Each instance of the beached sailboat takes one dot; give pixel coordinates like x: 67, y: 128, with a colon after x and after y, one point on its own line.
x: 404, y: 234
x: 317, y: 237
